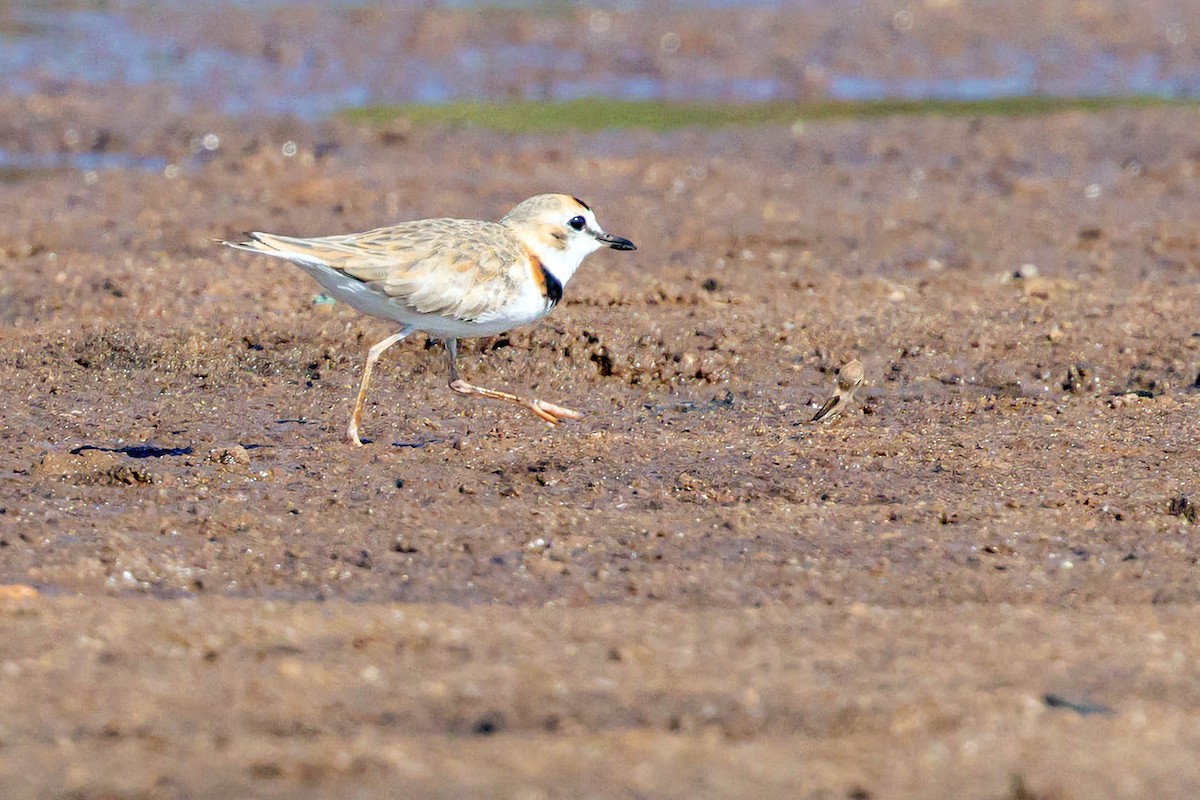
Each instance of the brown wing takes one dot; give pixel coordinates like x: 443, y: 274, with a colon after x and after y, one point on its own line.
x: 451, y: 267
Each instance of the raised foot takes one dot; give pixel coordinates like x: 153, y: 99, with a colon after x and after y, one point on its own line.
x: 547, y: 412
x: 552, y: 413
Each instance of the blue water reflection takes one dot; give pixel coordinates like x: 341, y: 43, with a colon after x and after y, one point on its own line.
x: 47, y: 46
x: 86, y: 161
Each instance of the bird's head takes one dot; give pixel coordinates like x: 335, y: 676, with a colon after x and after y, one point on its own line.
x: 561, y: 231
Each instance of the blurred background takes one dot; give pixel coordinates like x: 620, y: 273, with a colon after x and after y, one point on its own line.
x: 312, y: 60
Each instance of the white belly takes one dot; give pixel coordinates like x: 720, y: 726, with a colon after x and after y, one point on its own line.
x: 530, y: 305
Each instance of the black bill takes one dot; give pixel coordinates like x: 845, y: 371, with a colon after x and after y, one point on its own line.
x: 615, y: 242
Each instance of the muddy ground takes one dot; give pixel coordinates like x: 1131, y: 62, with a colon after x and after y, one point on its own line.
x: 981, y: 582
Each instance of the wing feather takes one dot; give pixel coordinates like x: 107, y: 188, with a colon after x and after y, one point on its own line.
x: 449, y: 267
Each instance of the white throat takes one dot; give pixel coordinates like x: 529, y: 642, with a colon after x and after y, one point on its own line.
x: 562, y: 263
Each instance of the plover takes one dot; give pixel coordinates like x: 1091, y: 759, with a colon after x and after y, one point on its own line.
x: 453, y: 278
x: 849, y: 379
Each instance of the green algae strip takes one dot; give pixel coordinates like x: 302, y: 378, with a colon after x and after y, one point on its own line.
x: 601, y: 114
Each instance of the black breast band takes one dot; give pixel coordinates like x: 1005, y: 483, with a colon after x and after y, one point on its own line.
x: 554, y: 287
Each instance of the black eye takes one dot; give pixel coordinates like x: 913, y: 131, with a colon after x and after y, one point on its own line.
x: 577, y: 223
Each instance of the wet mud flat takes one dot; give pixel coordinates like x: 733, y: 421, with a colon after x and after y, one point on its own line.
x: 980, y: 582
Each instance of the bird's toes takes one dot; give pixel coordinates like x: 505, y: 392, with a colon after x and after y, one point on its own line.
x: 555, y: 413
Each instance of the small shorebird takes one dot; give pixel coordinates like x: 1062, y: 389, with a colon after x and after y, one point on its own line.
x: 849, y: 380
x: 453, y: 278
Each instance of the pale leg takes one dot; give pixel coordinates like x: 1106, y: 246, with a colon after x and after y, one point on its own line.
x: 372, y: 356
x: 548, y: 412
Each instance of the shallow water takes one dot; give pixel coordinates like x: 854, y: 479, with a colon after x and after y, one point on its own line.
x: 15, y: 163
x: 293, y: 58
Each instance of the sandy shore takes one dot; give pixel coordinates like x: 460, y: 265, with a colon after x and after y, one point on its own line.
x: 980, y: 582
